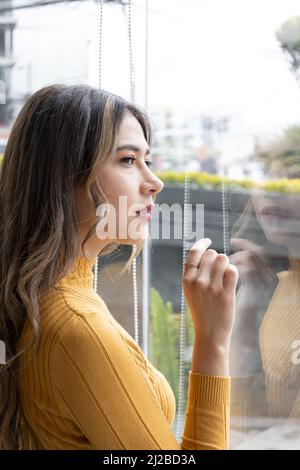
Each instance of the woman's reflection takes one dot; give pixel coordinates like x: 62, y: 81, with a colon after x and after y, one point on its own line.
x: 265, y: 368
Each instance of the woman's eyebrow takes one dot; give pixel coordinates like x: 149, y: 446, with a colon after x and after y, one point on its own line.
x: 134, y: 148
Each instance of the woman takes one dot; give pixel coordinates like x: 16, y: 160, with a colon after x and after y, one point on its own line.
x: 74, y: 378
x: 269, y: 294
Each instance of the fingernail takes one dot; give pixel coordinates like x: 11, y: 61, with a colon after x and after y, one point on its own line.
x: 233, y: 267
x: 203, y: 240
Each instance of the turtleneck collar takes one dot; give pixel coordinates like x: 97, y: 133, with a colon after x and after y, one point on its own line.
x: 81, y: 273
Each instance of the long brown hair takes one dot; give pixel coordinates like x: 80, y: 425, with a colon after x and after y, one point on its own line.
x: 60, y: 135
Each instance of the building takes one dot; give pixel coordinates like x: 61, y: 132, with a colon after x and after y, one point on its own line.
x: 7, y: 25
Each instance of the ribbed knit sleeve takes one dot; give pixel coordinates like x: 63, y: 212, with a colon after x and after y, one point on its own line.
x: 98, y: 384
x: 248, y: 395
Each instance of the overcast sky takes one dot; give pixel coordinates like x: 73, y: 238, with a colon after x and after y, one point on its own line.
x: 214, y: 56
x: 222, y: 55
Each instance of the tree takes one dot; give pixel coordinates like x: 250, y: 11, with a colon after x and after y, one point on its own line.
x: 288, y: 36
x: 283, y: 153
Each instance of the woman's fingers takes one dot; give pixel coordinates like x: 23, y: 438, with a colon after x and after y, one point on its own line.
x: 242, y: 244
x: 245, y: 264
x: 251, y: 261
x: 194, y: 256
x: 219, y: 266
x: 231, y: 276
x: 209, y: 288
x: 204, y: 271
x: 211, y: 265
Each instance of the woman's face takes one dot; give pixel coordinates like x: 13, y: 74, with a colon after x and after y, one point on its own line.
x: 279, y: 214
x: 129, y: 185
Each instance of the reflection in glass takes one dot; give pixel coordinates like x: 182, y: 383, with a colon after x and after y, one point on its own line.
x: 265, y: 353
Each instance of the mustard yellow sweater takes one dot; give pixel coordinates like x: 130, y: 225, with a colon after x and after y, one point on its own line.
x: 275, y: 392
x: 90, y: 386
x: 280, y: 328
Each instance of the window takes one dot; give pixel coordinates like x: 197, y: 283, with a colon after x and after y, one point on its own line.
x: 223, y: 93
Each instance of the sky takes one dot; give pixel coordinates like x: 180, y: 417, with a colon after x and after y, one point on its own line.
x: 223, y: 56
x: 218, y: 57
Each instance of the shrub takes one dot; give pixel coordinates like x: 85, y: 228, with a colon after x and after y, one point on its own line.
x: 165, y: 341
x: 209, y: 181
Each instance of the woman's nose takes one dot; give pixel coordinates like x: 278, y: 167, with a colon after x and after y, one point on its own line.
x: 153, y: 184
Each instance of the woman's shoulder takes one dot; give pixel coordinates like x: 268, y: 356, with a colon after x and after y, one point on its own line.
x: 69, y: 314
x: 77, y: 321
x: 72, y: 301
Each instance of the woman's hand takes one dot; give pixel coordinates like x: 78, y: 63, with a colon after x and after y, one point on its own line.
x: 252, y: 264
x: 210, y: 293
x: 258, y: 282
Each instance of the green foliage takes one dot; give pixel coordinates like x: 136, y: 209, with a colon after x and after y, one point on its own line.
x: 165, y: 341
x: 292, y: 134
x: 282, y: 155
x: 208, y: 181
x: 285, y: 185
x: 288, y: 36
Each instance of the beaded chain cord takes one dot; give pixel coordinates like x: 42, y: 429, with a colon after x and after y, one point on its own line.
x: 100, y: 14
x: 132, y: 98
x: 183, y: 311
x: 183, y: 308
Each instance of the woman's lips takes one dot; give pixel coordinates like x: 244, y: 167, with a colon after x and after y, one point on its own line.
x: 273, y: 212
x: 144, y: 215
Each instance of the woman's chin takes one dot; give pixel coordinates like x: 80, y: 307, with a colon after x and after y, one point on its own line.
x: 136, y: 241
x: 277, y: 237
x: 139, y: 241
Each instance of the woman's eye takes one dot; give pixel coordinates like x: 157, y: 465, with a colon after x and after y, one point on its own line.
x: 125, y: 160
